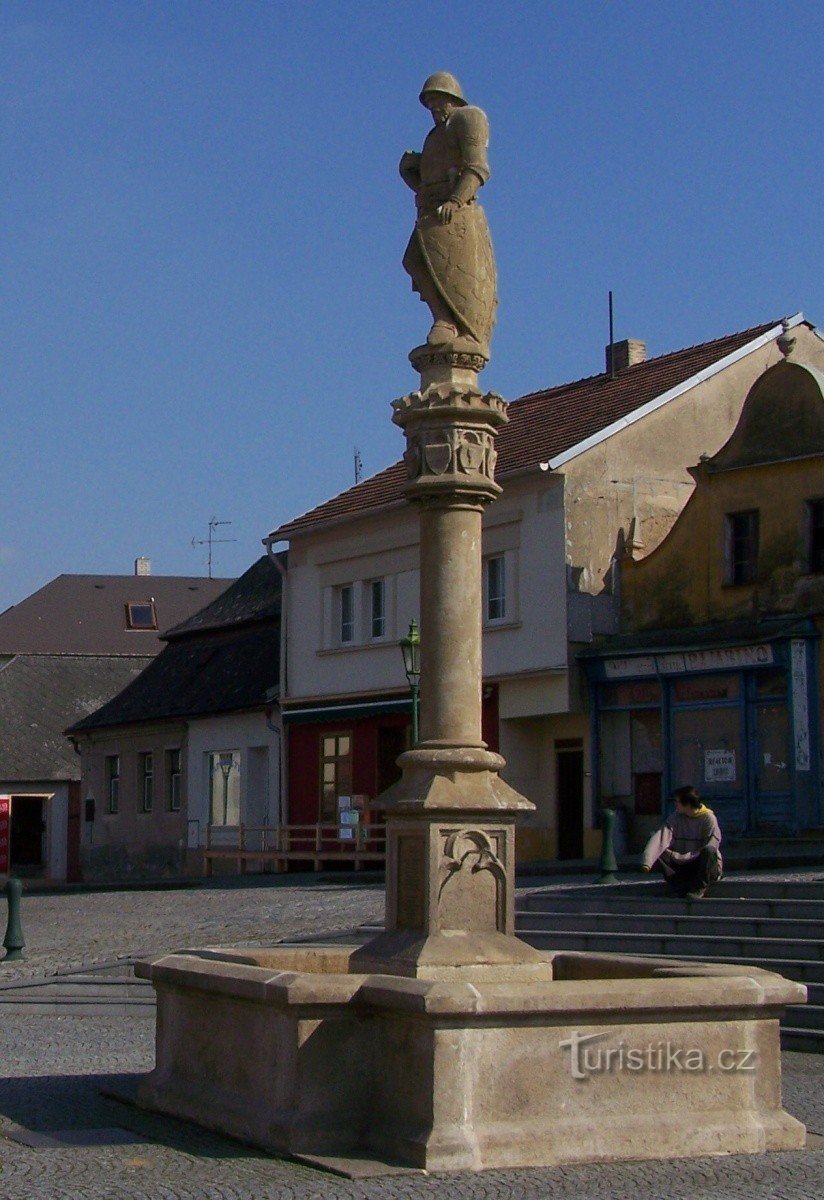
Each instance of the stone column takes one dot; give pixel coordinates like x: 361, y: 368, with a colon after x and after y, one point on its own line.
x: 450, y: 819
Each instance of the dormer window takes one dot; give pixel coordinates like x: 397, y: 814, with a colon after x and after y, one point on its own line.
x: 141, y: 615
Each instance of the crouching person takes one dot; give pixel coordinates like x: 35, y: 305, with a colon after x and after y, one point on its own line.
x: 686, y: 847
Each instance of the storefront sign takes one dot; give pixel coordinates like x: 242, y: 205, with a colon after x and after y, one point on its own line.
x: 801, y: 715
x: 5, y: 825
x: 626, y: 668
x: 682, y: 662
x: 719, y: 766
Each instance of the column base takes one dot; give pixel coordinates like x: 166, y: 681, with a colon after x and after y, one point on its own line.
x: 452, y: 955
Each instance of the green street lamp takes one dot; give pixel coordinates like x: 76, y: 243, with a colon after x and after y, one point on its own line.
x: 411, y: 650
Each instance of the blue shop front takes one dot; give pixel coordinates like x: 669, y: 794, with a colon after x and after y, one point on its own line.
x: 732, y: 710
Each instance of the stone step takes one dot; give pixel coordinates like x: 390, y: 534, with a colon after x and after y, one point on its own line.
x: 769, y: 955
x: 80, y: 994
x: 803, y: 1041
x: 695, y: 923
x: 751, y: 889
x: 667, y: 905
x: 677, y: 944
x: 805, y: 1016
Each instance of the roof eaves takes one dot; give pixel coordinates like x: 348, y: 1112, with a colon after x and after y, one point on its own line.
x: 285, y: 532
x: 715, y: 368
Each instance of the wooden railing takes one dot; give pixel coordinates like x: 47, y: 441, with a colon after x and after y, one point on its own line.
x: 284, y: 844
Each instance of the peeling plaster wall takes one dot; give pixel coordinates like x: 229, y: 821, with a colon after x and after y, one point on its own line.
x: 632, y: 487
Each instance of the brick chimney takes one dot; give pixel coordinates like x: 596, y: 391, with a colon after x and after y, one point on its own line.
x: 142, y: 566
x: 625, y: 354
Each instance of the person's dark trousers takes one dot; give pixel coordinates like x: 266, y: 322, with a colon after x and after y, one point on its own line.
x: 693, y: 876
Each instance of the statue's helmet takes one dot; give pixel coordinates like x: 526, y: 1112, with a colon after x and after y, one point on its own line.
x: 444, y: 83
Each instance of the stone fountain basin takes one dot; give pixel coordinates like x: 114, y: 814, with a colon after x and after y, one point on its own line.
x: 614, y: 1057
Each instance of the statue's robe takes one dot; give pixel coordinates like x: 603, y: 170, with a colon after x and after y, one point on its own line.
x: 455, y: 259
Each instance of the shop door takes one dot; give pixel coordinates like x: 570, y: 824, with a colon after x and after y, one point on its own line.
x: 774, y: 808
x: 569, y: 773
x: 709, y: 746
x: 27, y: 829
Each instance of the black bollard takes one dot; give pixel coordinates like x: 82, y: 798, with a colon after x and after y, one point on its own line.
x: 608, y: 865
x: 14, y: 940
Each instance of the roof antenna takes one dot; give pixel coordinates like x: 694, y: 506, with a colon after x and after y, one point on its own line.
x: 611, y: 341
x: 211, y: 540
x: 358, y: 466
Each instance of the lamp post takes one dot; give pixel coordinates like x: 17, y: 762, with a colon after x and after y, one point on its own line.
x: 225, y: 762
x: 411, y: 650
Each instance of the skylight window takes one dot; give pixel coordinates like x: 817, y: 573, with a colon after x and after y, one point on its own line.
x: 141, y: 615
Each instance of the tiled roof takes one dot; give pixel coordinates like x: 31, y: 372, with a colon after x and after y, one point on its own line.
x: 544, y: 424
x: 253, y: 597
x: 40, y: 694
x: 207, y: 675
x: 86, y: 614
x: 224, y: 659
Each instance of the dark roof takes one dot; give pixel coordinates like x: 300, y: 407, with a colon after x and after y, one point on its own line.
x: 39, y: 696
x: 224, y: 659
x: 86, y: 614
x: 201, y: 676
x: 545, y: 424
x: 254, y: 597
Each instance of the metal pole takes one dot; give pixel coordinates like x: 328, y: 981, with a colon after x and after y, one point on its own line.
x: 14, y: 940
x: 415, y: 705
x: 608, y: 865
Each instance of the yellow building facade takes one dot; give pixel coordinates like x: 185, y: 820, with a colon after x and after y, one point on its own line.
x: 716, y: 677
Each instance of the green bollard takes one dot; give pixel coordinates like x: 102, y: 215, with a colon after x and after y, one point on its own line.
x: 14, y: 940
x: 608, y: 865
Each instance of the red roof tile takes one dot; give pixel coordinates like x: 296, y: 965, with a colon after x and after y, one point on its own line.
x: 544, y: 424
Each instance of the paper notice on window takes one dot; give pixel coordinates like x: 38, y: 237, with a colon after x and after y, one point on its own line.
x: 719, y: 766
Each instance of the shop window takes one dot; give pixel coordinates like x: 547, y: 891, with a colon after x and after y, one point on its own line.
x: 112, y: 777
x: 697, y: 689
x: 377, y: 608
x: 630, y: 692
x: 224, y: 787
x: 173, y: 779
x: 146, y: 770
x: 632, y: 759
x: 707, y: 749
x: 770, y: 683
x: 335, y: 773
x: 495, y: 588
x: 815, y: 536
x: 741, y: 547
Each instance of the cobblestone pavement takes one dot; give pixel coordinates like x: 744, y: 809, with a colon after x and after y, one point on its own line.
x: 64, y: 931
x: 54, y: 1067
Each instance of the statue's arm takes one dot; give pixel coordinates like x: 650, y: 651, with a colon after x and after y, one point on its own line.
x: 469, y: 130
x: 410, y: 169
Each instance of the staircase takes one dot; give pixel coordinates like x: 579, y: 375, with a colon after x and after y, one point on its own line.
x: 106, y: 989
x: 777, y: 925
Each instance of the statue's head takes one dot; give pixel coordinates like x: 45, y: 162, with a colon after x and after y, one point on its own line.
x: 441, y: 84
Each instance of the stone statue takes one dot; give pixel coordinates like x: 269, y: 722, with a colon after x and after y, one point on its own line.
x: 449, y: 256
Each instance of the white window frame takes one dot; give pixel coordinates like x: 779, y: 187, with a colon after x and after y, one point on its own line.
x: 112, y: 776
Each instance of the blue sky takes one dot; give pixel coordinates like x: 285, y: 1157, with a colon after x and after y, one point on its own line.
x: 202, y: 304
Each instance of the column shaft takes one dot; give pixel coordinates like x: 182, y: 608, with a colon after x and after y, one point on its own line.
x: 450, y: 626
